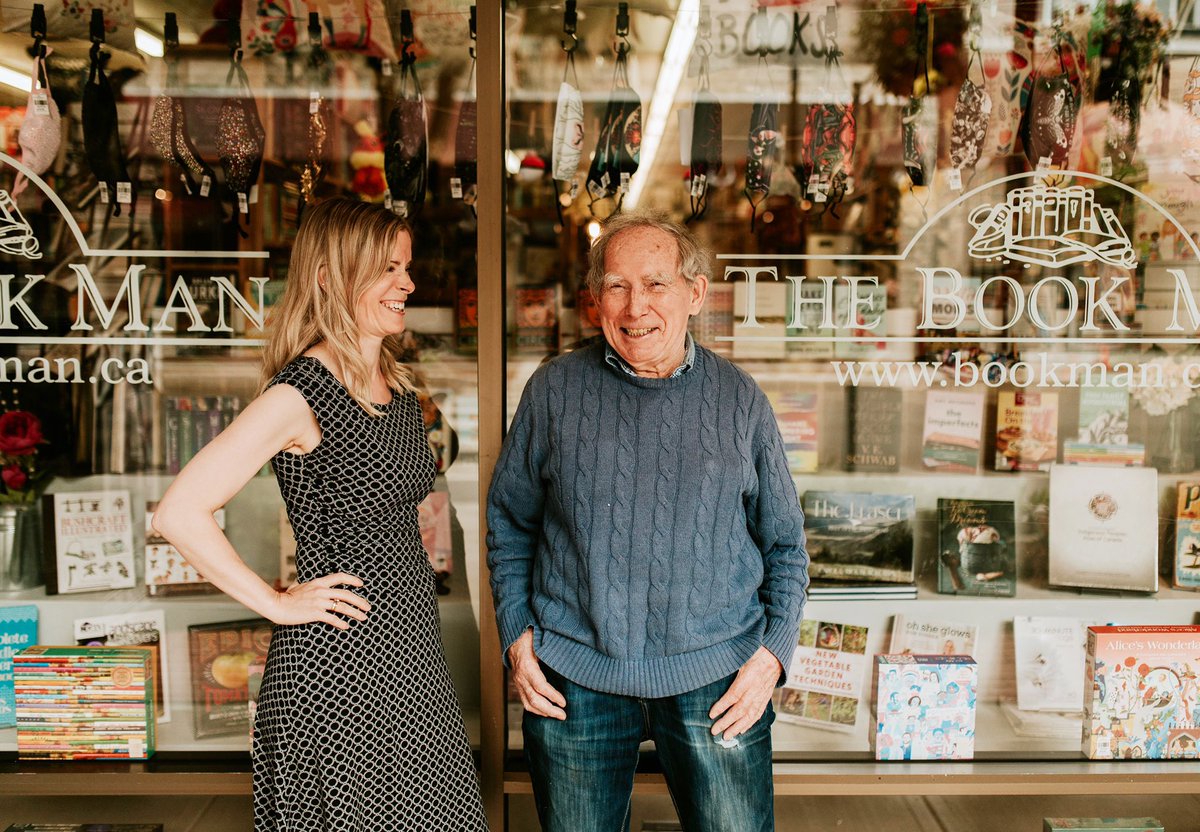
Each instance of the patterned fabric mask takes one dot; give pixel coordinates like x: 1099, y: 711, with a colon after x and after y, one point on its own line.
x: 318, y: 112
x: 41, y: 128
x: 240, y: 138
x: 918, y: 119
x: 760, y: 154
x: 169, y: 132
x: 619, y: 145
x: 102, y: 136
x: 1053, y: 110
x: 827, y: 151
x: 568, y: 133
x: 706, y: 162
x: 406, y: 145
x: 1007, y: 78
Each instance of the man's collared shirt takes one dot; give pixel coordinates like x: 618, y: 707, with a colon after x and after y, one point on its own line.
x: 689, y: 358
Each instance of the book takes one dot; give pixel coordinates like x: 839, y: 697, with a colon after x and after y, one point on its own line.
x: 809, y: 320
x: 1187, y: 537
x: 1026, y: 430
x: 145, y: 628
x: 221, y: 655
x: 1104, y: 527
x: 1102, y: 437
x: 825, y: 680
x: 537, y: 318
x: 914, y: 635
x: 713, y: 325
x: 796, y: 415
x: 1050, y: 654
x: 254, y: 678
x: 848, y: 591
x: 1141, y: 695
x: 165, y: 570
x: 857, y: 536
x: 866, y: 326
x: 925, y: 707
x: 977, y: 547
x: 1101, y: 825
x: 873, y: 423
x: 88, y: 541
x: 18, y: 630
x: 951, y: 439
x: 84, y: 703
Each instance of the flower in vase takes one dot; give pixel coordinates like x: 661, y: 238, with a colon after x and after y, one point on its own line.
x: 20, y: 436
x: 1166, y: 387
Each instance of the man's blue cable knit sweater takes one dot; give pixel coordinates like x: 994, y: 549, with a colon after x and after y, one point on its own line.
x: 646, y: 529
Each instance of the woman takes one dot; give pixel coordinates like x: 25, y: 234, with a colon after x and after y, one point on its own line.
x: 358, y: 727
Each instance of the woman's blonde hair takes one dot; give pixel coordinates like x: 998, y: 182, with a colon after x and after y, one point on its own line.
x: 342, y: 249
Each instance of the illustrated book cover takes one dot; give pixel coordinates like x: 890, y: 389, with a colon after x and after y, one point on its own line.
x: 1187, y: 537
x: 977, y: 547
x: 88, y: 541
x: 858, y: 536
x: 165, y: 570
x: 1102, y: 437
x: 796, y: 415
x: 925, y: 707
x: 1142, y: 693
x: 825, y: 681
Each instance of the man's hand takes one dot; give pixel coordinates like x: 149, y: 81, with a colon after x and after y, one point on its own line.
x: 537, y: 694
x: 746, y: 700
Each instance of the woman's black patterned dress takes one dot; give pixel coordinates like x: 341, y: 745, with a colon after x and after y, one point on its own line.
x: 360, y: 730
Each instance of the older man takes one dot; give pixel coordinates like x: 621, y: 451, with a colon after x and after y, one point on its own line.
x: 647, y: 554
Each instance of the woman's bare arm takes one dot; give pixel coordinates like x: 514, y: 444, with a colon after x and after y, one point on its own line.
x: 280, y: 419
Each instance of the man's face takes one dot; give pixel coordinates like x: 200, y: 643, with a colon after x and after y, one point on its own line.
x: 645, y: 303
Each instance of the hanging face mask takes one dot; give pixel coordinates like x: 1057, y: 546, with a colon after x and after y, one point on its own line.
x: 619, y: 145
x: 568, y: 133
x: 1053, y: 111
x: 972, y: 112
x: 41, y: 128
x: 406, y: 146
x: 826, y: 151
x: 168, y: 127
x: 1008, y: 84
x: 918, y: 119
x: 240, y: 139
x: 706, y: 146
x: 760, y: 154
x: 318, y: 112
x: 1124, y: 115
x: 102, y: 136
x: 464, y: 183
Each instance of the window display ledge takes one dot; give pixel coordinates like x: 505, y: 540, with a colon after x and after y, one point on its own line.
x: 860, y: 775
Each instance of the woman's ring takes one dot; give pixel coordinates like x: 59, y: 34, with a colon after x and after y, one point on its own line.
x: 336, y: 604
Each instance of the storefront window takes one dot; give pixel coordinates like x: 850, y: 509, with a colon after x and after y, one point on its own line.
x: 955, y: 246
x: 146, y: 238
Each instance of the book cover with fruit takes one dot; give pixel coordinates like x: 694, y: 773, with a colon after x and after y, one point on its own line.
x: 977, y: 547
x: 221, y: 656
x: 1026, y: 430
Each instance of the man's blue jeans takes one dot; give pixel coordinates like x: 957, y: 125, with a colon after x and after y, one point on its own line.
x: 582, y: 768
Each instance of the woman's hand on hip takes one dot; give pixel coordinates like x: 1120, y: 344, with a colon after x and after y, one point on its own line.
x: 321, y: 600
x: 537, y: 694
x: 744, y: 703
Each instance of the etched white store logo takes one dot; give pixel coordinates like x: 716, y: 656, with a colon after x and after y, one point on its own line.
x: 1052, y: 227
x: 16, y: 234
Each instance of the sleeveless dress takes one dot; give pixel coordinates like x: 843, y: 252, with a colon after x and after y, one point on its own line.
x: 360, y: 730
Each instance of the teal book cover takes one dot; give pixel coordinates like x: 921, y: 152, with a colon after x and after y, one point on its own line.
x: 18, y: 630
x: 977, y: 547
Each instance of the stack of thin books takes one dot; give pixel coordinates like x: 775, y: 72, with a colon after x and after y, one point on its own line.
x: 848, y: 591
x: 84, y: 703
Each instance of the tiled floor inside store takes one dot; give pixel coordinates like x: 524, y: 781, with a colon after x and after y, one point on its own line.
x: 843, y: 814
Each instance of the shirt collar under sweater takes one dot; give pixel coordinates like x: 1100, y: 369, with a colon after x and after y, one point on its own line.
x: 689, y: 358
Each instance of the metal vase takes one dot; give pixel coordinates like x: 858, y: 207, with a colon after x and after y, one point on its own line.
x: 20, y: 546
